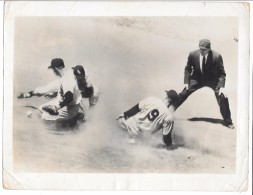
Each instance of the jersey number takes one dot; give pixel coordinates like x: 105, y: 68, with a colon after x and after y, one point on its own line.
x: 152, y: 115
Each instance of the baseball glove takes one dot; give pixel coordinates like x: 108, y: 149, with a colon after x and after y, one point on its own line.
x: 51, y: 109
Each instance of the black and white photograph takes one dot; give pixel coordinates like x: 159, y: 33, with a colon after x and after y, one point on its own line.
x: 134, y: 94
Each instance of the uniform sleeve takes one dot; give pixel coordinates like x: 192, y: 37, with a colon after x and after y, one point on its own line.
x: 51, y: 87
x: 147, y: 101
x: 167, y: 127
x: 131, y: 112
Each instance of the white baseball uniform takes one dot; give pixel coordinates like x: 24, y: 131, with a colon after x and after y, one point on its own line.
x: 153, y: 116
x: 65, y: 83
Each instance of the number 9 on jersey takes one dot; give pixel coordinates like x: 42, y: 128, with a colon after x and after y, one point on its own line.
x: 152, y: 115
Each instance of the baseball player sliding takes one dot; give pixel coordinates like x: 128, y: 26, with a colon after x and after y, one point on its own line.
x: 68, y: 102
x: 151, y: 115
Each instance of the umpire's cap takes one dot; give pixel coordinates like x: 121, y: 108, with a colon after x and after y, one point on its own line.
x: 204, y: 44
x: 57, y: 63
x: 78, y: 70
x: 172, y: 94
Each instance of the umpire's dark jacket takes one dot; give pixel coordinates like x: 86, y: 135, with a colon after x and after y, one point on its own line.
x: 213, y: 72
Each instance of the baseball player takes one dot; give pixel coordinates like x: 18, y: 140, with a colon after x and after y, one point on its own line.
x: 68, y: 102
x: 151, y: 115
x: 88, y: 90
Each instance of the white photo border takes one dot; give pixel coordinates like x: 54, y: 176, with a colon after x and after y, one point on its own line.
x: 113, y: 181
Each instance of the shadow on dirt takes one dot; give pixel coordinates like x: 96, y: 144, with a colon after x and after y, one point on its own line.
x: 63, y: 127
x: 209, y: 120
x: 171, y: 147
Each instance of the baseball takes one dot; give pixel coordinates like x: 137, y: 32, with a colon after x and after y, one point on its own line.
x: 131, y: 141
x: 29, y: 113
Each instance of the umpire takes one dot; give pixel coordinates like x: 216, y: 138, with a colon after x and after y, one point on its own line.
x: 205, y: 69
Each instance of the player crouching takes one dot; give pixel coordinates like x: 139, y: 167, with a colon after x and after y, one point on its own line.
x: 151, y: 115
x: 67, y: 104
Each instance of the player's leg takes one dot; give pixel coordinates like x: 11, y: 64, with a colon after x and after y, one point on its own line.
x: 167, y: 139
x: 167, y: 135
x: 193, y: 86
x: 224, y: 109
x: 128, y: 122
x: 130, y: 125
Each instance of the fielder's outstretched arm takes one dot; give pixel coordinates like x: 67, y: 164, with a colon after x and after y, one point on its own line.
x: 38, y: 91
x: 26, y: 94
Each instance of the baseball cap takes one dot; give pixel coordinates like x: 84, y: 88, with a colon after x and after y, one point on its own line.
x: 204, y: 44
x: 57, y: 63
x: 78, y: 70
x: 172, y: 94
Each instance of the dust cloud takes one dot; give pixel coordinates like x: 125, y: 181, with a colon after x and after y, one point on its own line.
x: 130, y: 59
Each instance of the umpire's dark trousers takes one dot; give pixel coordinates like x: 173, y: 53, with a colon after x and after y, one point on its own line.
x: 221, y: 99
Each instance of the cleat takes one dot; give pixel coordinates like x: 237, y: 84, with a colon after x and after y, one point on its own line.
x: 231, y: 126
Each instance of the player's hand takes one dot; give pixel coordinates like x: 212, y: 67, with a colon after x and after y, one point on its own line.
x: 51, y: 95
x: 120, y: 116
x: 219, y: 90
x: 223, y: 90
x: 25, y: 95
x: 51, y: 109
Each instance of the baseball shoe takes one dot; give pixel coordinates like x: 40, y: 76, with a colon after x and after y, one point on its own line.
x: 171, y: 147
x: 231, y: 126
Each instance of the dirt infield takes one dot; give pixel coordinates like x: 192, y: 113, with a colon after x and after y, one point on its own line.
x: 130, y: 59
